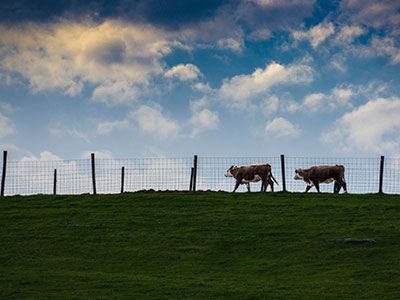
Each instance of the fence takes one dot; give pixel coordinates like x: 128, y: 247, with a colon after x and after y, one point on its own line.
x: 108, y: 176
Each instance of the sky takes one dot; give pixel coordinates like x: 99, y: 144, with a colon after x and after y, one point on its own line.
x: 158, y: 78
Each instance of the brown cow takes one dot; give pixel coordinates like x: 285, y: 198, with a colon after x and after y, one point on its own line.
x: 252, y: 173
x: 323, y: 174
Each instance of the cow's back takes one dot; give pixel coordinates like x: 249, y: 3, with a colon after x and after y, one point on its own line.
x: 249, y: 172
x: 326, y: 172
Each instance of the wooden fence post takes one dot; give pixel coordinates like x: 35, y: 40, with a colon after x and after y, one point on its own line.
x: 93, y: 173
x: 194, y: 173
x: 3, y: 176
x: 381, y: 175
x: 191, y: 180
x: 122, y: 179
x: 55, y: 182
x: 283, y: 172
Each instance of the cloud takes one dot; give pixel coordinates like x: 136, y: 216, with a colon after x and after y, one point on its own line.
x: 349, y: 33
x: 275, y: 15
x: 184, y: 72
x: 270, y: 105
x: 376, y: 14
x: 281, y: 127
x: 104, y: 128
x: 65, y: 130
x: 43, y: 156
x: 116, y: 58
x: 316, y: 35
x: 371, y: 128
x: 6, y: 108
x: 260, y: 34
x: 386, y: 47
x: 203, y: 119
x: 6, y: 126
x: 339, y: 96
x: 151, y: 121
x: 238, y: 90
x: 117, y: 92
x: 101, y: 154
x: 232, y: 44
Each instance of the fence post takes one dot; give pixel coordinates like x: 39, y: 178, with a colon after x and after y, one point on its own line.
x: 194, y: 173
x: 283, y: 172
x: 55, y: 182
x: 3, y: 176
x: 381, y: 175
x: 122, y: 179
x: 93, y: 173
x: 191, y: 180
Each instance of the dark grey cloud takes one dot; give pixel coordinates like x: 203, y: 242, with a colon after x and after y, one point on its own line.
x: 275, y: 15
x: 160, y: 12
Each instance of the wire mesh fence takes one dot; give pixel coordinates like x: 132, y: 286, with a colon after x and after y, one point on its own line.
x: 111, y: 176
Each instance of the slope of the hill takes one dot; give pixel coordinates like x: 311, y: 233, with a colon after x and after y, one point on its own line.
x: 199, y: 246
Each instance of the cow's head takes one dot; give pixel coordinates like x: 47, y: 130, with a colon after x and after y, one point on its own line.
x: 299, y: 174
x: 229, y: 171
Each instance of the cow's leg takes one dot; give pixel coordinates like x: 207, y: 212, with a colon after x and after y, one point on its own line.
x: 264, y: 185
x: 344, y: 185
x: 308, y: 188
x: 236, y: 186
x: 316, y: 184
x: 336, y: 187
x: 248, y: 186
x: 271, y: 183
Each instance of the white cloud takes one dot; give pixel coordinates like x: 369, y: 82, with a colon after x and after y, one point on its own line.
x: 238, y: 90
x: 279, y: 3
x: 232, y: 44
x: 314, y: 101
x: 270, y: 105
x: 204, y: 120
x: 6, y: 108
x: 104, y: 128
x: 377, y: 14
x: 342, y: 95
x: 61, y: 131
x: 316, y: 35
x: 349, y: 33
x: 261, y: 34
x: 184, y: 72
x: 117, y: 92
x: 151, y: 121
x: 281, y: 127
x: 386, y: 47
x: 102, y: 154
x: 292, y: 106
x: 371, y: 128
x: 44, y: 156
x: 202, y: 87
x: 339, y: 96
x: 6, y: 126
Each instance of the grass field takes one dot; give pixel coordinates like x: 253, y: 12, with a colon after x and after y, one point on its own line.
x: 199, y: 246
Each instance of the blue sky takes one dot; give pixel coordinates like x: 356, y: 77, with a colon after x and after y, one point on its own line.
x: 215, y: 78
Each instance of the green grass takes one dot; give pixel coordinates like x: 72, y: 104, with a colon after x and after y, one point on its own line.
x: 199, y: 246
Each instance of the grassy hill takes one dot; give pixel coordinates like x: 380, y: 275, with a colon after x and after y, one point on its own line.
x: 199, y: 246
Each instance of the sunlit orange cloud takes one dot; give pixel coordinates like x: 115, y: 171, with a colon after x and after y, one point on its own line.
x: 67, y: 55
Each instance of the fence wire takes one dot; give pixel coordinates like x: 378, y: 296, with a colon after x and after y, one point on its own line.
x: 75, y: 176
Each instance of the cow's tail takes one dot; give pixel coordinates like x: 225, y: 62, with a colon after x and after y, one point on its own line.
x: 274, y: 179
